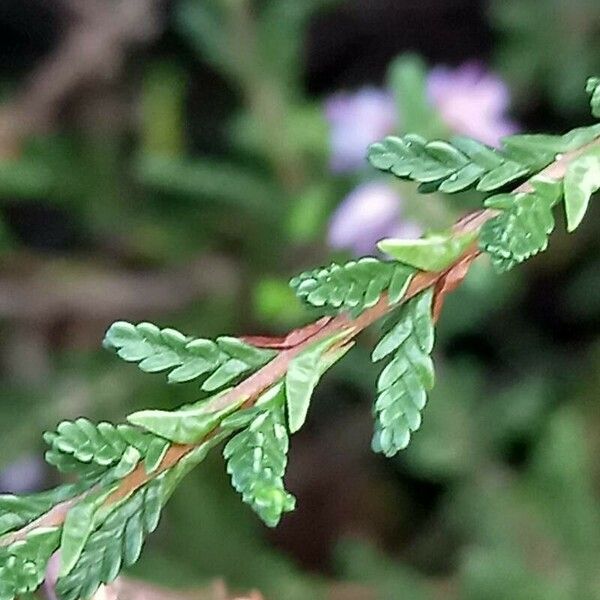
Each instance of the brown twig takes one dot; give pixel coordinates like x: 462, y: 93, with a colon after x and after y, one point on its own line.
x: 94, y: 49
x: 252, y: 387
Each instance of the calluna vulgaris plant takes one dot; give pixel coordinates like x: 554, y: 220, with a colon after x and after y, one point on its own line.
x: 258, y: 389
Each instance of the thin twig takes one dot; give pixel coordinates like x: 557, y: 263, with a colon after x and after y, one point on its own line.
x: 94, y: 49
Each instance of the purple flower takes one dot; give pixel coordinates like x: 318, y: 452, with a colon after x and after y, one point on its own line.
x: 368, y: 214
x: 22, y: 476
x: 357, y: 119
x: 472, y: 102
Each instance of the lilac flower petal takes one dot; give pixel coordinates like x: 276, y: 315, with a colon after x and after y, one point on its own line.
x: 357, y: 120
x: 472, y: 101
x: 368, y: 214
x: 406, y: 230
x: 24, y: 475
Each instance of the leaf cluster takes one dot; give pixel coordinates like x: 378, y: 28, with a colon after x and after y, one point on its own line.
x: 106, y: 522
x: 522, y: 228
x: 91, y: 450
x: 257, y: 458
x: 403, y: 384
x: 465, y: 163
x: 525, y: 219
x: 186, y: 358
x: 116, y: 543
x: 353, y: 286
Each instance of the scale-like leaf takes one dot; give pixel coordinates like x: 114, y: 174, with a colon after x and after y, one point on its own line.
x: 582, y: 179
x: 78, y: 525
x: 302, y: 376
x: 186, y: 425
x: 403, y: 384
x: 23, y: 563
x: 256, y: 460
x: 89, y: 449
x: 188, y: 358
x: 115, y: 544
x: 18, y: 511
x: 521, y: 229
x: 354, y: 286
x: 462, y: 163
x: 432, y: 253
x: 453, y: 166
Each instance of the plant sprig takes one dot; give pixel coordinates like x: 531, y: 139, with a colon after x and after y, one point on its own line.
x: 126, y: 473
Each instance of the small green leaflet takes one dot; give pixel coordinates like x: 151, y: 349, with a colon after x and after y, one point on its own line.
x: 301, y: 378
x: 92, y: 449
x: 78, y: 525
x: 256, y: 460
x: 18, y: 511
x: 354, y: 286
x: 449, y: 167
x: 186, y: 425
x: 432, y: 253
x: 464, y: 163
x: 522, y: 227
x: 581, y: 181
x: 242, y: 418
x: 23, y: 563
x: 187, y: 358
x: 403, y: 384
x: 115, y: 543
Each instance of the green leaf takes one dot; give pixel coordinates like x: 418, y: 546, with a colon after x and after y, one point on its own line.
x: 91, y: 450
x: 242, y: 418
x: 225, y: 374
x: 256, y: 460
x: 18, y: 511
x: 239, y: 350
x: 187, y: 425
x: 23, y: 563
x: 593, y: 89
x: 450, y: 166
x: 115, y: 544
x: 403, y: 384
x: 189, y: 358
x: 582, y: 179
x: 521, y: 229
x: 78, y: 525
x: 462, y: 163
x: 301, y: 378
x: 155, y: 452
x: 508, y: 171
x: 433, y: 253
x: 354, y: 286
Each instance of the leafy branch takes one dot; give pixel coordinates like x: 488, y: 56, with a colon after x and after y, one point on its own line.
x: 126, y: 473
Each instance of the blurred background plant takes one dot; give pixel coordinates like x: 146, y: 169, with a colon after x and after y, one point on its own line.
x: 179, y: 161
